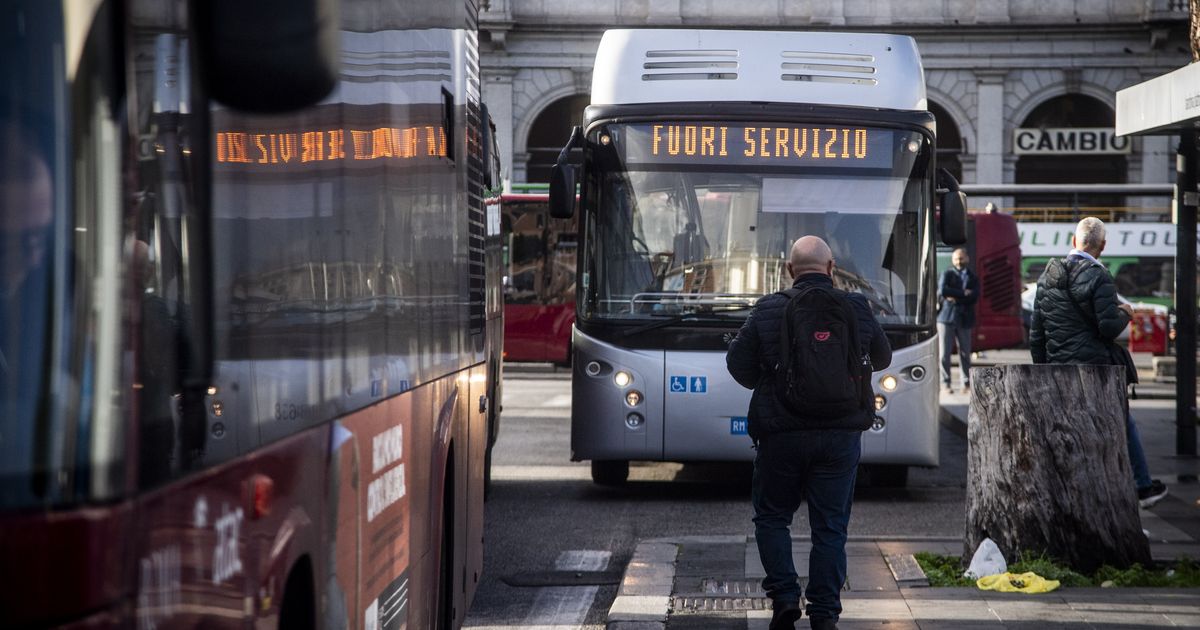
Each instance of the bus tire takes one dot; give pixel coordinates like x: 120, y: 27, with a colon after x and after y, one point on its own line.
x: 610, y: 472
x: 297, y: 610
x: 888, y: 475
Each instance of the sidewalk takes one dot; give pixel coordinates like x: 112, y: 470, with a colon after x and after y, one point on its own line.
x: 713, y: 582
x: 710, y: 583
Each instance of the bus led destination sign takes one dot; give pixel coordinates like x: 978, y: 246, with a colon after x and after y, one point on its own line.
x: 325, y: 145
x: 763, y: 144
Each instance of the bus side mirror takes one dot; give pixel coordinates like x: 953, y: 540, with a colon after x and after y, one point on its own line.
x: 267, y: 55
x: 953, y: 204
x: 562, y: 180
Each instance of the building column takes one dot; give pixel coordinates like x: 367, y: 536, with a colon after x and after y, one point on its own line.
x: 498, y: 95
x: 1157, y: 159
x: 989, y: 134
x: 520, y: 165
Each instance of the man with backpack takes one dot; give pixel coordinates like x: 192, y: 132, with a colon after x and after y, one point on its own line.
x: 807, y: 353
x: 1076, y: 317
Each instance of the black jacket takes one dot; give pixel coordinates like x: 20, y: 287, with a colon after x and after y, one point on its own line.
x: 960, y: 312
x: 1060, y: 333
x: 754, y: 353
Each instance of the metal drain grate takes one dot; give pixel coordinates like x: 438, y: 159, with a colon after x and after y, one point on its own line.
x: 705, y: 604
x: 722, y: 595
x: 715, y: 586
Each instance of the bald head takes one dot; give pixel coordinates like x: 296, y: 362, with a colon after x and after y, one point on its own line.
x: 810, y: 254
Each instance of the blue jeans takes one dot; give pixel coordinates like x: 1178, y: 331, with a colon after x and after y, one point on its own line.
x: 1137, y: 456
x: 950, y: 335
x: 819, y: 466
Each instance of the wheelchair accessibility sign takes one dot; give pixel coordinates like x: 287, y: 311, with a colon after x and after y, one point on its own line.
x: 689, y: 384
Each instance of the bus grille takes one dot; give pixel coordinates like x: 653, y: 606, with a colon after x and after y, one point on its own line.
x: 701, y: 65
x: 998, y: 286
x: 828, y: 67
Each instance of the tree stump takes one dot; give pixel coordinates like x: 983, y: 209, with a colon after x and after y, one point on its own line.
x: 1048, y: 465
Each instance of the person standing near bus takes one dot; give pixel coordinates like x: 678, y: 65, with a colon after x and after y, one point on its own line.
x: 806, y: 451
x: 1076, y: 318
x: 958, y: 290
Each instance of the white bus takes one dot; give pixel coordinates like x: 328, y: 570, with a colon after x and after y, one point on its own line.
x: 706, y: 153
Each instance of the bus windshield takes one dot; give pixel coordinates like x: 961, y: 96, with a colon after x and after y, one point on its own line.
x: 700, y: 218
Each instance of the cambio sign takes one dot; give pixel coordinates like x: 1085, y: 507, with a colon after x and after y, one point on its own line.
x: 1123, y: 239
x: 1069, y: 141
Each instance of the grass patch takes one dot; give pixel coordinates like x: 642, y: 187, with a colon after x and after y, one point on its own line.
x: 948, y: 570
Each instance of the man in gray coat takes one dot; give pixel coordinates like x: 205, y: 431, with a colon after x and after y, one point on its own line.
x: 1076, y: 317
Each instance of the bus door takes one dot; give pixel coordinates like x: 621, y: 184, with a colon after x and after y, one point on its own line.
x: 704, y: 409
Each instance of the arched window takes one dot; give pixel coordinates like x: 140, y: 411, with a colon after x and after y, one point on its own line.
x: 1071, y: 111
x: 549, y: 132
x: 949, y: 141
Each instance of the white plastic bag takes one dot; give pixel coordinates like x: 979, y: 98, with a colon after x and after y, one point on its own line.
x: 987, y: 561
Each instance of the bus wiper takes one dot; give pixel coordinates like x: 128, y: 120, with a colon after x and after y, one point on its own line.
x: 683, y: 317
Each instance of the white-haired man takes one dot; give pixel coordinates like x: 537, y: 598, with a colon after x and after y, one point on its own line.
x: 1076, y: 317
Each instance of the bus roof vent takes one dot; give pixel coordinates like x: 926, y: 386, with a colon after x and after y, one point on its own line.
x: 694, y: 65
x: 828, y: 67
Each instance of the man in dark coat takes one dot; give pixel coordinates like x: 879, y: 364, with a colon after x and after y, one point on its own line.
x: 817, y: 459
x: 958, y: 290
x: 1076, y: 317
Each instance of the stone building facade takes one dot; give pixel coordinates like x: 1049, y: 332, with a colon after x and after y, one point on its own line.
x: 1001, y: 74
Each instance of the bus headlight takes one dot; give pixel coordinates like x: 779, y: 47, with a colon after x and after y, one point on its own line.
x: 634, y: 420
x: 916, y: 372
x: 592, y: 368
x: 633, y: 398
x: 878, y: 423
x: 888, y: 383
x: 880, y: 402
x: 622, y: 378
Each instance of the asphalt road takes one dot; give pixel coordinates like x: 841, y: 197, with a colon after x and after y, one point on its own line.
x: 547, y: 522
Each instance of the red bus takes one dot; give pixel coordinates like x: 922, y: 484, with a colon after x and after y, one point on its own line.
x: 539, y: 278
x: 248, y: 361
x: 995, y: 250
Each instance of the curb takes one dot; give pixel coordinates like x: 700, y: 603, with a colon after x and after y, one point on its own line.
x: 644, y: 598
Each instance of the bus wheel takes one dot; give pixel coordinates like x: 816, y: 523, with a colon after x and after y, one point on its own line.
x: 888, y: 475
x: 610, y: 472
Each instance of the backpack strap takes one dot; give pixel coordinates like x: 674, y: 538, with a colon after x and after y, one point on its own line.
x: 785, y: 338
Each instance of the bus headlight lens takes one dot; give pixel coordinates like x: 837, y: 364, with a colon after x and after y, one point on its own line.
x: 878, y: 424
x: 888, y: 383
x: 880, y: 402
x: 634, y: 420
x: 917, y: 373
x: 592, y: 368
x: 633, y: 398
x: 622, y: 378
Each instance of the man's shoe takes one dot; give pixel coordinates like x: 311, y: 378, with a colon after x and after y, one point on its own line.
x: 784, y: 615
x: 822, y: 623
x: 1152, y: 494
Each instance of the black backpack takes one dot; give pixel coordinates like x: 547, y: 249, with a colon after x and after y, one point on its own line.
x: 822, y: 373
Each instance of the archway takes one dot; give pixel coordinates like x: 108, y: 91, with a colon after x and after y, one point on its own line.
x: 1073, y: 163
x: 949, y: 141
x: 549, y: 132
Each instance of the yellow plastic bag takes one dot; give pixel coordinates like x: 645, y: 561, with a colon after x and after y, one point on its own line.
x: 1016, y: 583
